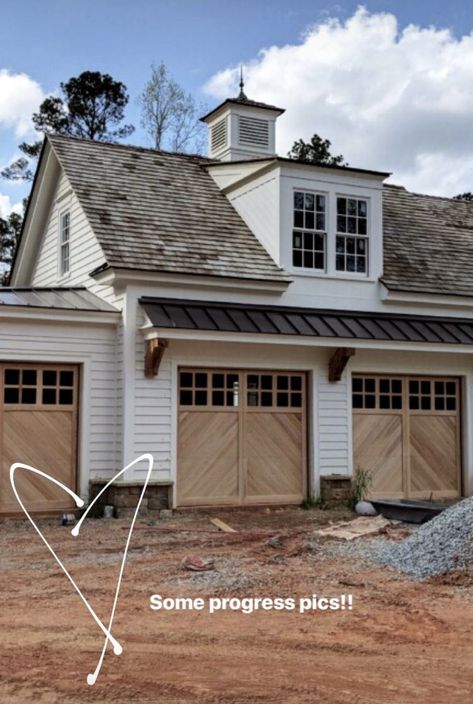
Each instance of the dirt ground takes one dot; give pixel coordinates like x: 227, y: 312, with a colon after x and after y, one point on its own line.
x: 402, y: 642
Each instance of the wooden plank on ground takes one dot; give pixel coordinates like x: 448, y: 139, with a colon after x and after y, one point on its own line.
x: 222, y: 526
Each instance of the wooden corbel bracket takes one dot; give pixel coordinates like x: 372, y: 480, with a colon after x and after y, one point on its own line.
x: 338, y: 362
x: 153, y: 356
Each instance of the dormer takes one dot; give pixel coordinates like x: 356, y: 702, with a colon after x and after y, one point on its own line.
x: 242, y: 129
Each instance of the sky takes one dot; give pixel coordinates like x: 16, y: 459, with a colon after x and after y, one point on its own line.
x: 389, y: 83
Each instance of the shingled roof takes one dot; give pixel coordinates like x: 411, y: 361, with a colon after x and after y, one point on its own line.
x: 159, y: 211
x: 428, y: 243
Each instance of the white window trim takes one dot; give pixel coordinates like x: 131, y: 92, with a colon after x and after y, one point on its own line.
x: 330, y: 271
x: 308, y: 271
x: 363, y: 275
x: 61, y: 215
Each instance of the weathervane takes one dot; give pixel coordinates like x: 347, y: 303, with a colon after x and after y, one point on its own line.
x: 242, y: 95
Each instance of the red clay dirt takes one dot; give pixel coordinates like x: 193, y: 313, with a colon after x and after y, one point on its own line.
x: 404, y: 642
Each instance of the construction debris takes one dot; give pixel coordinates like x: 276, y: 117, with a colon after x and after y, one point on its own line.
x: 221, y: 525
x: 194, y: 563
x: 359, y: 527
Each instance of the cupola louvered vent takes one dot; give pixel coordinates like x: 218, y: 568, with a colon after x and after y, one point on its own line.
x: 218, y: 137
x: 253, y: 132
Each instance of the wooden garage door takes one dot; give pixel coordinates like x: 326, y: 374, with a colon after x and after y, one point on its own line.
x: 38, y: 426
x: 406, y: 432
x: 241, y: 437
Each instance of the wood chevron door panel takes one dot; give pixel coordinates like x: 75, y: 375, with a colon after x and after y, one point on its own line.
x: 45, y: 440
x: 406, y: 432
x: 272, y: 449
x: 378, y: 448
x: 434, y: 460
x: 38, y: 427
x: 208, y: 458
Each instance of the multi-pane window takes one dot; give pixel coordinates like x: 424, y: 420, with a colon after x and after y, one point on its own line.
x: 39, y: 387
x: 309, y: 231
x: 208, y: 388
x: 279, y: 390
x: 429, y: 394
x: 231, y: 390
x: 383, y: 393
x: 352, y: 235
x: 422, y: 394
x: 64, y: 245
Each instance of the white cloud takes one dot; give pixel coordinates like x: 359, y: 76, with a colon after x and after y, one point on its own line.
x: 20, y: 96
x: 6, y: 206
x: 392, y: 100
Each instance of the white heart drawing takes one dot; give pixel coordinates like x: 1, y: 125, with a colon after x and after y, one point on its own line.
x: 117, y: 648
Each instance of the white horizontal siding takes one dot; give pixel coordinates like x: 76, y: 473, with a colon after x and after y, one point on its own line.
x: 94, y: 348
x: 85, y: 251
x: 152, y: 424
x: 334, y: 423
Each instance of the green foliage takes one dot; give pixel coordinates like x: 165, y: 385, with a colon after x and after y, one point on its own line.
x: 361, y: 484
x: 9, y: 232
x: 464, y: 196
x: 170, y: 115
x: 91, y: 106
x: 317, y: 151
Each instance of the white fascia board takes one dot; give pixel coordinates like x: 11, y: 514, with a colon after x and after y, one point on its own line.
x: 151, y: 332
x: 335, y: 177
x: 38, y: 210
x: 58, y: 315
x: 124, y: 277
x: 435, y: 300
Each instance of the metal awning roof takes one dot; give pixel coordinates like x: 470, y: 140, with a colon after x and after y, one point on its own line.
x: 274, y: 320
x: 58, y: 298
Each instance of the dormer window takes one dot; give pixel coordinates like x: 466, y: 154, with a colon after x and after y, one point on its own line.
x: 64, y: 243
x: 352, y: 235
x: 310, y: 232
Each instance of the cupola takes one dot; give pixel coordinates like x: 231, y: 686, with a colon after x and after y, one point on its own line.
x: 240, y: 128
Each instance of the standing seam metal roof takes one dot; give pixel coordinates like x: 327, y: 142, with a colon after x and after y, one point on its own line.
x: 273, y: 320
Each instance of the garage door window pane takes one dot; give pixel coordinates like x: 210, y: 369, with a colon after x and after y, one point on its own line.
x: 266, y: 398
x: 200, y: 398
x: 66, y: 378
x: 296, y: 400
x: 185, y: 397
x: 218, y: 398
x: 49, y: 377
x: 218, y: 381
x: 425, y: 403
x: 65, y: 397
x: 29, y: 377
x: 12, y: 376
x: 201, y: 381
x: 49, y: 396
x: 283, y: 399
x: 186, y: 379
x: 283, y: 383
x: 28, y: 394
x: 11, y: 395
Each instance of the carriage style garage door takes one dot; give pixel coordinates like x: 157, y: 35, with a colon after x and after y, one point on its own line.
x: 406, y: 432
x: 241, y: 437
x: 38, y: 426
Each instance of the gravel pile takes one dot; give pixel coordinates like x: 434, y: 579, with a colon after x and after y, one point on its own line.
x: 444, y: 544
